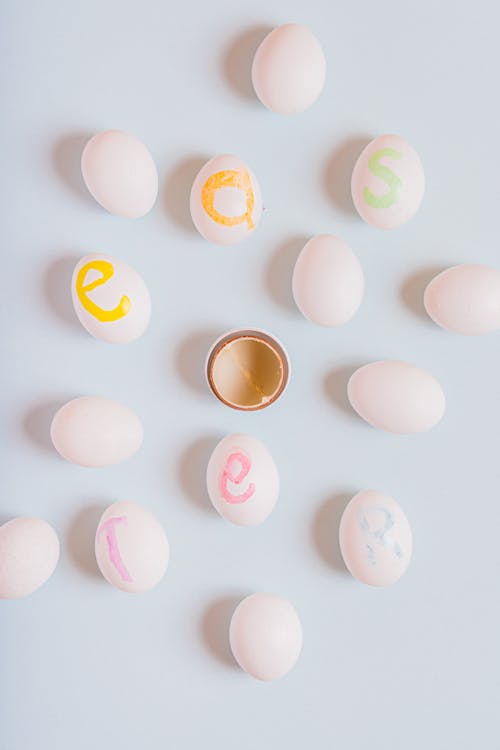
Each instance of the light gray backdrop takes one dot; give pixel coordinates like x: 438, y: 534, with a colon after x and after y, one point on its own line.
x: 86, y: 666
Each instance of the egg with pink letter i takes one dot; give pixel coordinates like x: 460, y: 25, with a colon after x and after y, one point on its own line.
x: 242, y: 480
x: 131, y: 548
x: 375, y: 538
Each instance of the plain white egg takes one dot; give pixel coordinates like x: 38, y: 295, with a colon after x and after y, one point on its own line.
x: 265, y: 636
x: 120, y: 173
x: 465, y: 299
x: 328, y: 282
x: 388, y: 182
x: 375, y: 538
x: 226, y: 202
x: 29, y: 553
x: 242, y: 480
x: 396, y: 397
x: 289, y: 69
x: 111, y: 300
x: 93, y: 431
x: 131, y: 548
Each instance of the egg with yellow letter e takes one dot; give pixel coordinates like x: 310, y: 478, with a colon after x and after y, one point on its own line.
x: 226, y: 202
x: 110, y: 299
x: 388, y: 182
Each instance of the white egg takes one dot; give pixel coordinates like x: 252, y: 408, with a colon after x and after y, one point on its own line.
x: 465, y: 299
x: 120, y: 173
x: 265, y: 636
x: 242, y: 480
x: 226, y: 202
x: 328, y: 283
x: 131, y: 548
x: 396, y: 396
x: 388, y: 182
x: 289, y: 69
x: 93, y: 431
x: 29, y: 553
x: 375, y: 538
x: 110, y: 299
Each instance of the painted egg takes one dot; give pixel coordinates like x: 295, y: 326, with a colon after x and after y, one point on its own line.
x: 388, y: 182
x: 131, y: 548
x: 242, y: 480
x: 247, y: 369
x: 375, y: 538
x: 328, y: 281
x: 396, y: 396
x: 94, y: 431
x: 29, y: 553
x: 120, y: 173
x: 226, y: 202
x: 465, y: 299
x: 265, y: 636
x: 289, y: 69
x: 110, y: 299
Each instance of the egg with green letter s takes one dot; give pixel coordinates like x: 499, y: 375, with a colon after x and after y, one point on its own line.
x: 388, y: 182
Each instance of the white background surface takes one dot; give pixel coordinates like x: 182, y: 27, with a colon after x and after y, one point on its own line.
x: 84, y: 665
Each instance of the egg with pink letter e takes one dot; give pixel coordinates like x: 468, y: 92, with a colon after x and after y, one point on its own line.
x: 242, y: 480
x: 388, y: 182
x: 375, y: 538
x: 131, y: 548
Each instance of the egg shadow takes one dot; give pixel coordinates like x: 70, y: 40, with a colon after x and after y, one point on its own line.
x: 325, y: 530
x: 190, y: 359
x: 66, y: 160
x: 80, y: 538
x: 37, y: 421
x: 335, y: 387
x: 279, y: 271
x: 413, y: 288
x: 177, y: 189
x: 57, y: 290
x: 214, y: 628
x: 236, y: 64
x: 193, y: 468
x: 338, y: 171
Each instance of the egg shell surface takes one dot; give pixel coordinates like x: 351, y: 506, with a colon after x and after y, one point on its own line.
x: 120, y: 173
x: 242, y: 480
x: 328, y: 282
x: 375, y: 538
x: 289, y: 69
x: 225, y: 202
x: 465, y: 299
x: 93, y: 431
x: 265, y: 636
x: 396, y: 396
x: 29, y: 553
x: 131, y: 548
x: 111, y: 300
x: 388, y: 182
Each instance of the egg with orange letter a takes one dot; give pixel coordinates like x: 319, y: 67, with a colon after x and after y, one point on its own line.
x: 242, y: 480
x: 110, y: 299
x: 226, y: 202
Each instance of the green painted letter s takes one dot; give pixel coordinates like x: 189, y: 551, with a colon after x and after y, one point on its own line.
x: 387, y: 175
